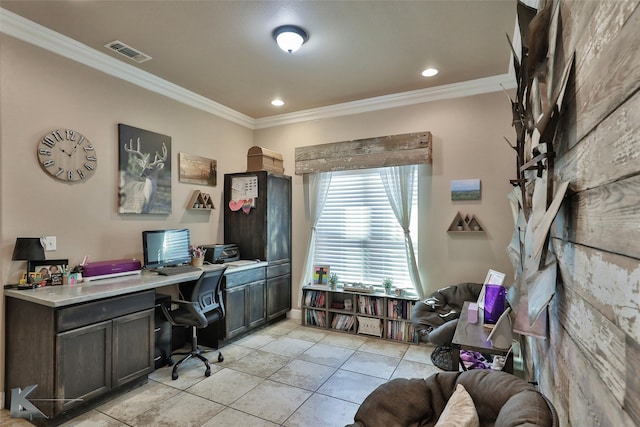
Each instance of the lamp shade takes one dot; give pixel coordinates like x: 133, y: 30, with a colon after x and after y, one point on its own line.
x: 28, y: 249
x: 290, y: 37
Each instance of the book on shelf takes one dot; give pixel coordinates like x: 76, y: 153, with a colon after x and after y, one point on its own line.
x: 392, y: 309
x: 400, y: 309
x: 314, y: 298
x: 401, y: 331
x: 342, y: 322
x: 370, y: 305
x: 315, y: 317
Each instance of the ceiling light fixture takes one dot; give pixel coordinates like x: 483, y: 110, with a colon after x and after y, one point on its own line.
x: 429, y: 72
x: 290, y: 37
x: 277, y: 103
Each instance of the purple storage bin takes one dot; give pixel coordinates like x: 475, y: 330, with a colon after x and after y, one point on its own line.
x: 494, y: 303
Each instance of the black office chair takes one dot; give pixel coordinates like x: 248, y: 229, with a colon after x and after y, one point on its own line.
x: 202, y: 306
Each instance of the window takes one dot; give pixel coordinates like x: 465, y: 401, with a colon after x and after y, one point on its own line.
x: 358, y: 235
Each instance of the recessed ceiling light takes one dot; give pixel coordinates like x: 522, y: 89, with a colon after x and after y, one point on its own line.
x: 429, y: 72
x: 277, y: 102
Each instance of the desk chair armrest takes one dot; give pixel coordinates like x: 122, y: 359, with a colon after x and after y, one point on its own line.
x: 223, y: 312
x: 192, y: 307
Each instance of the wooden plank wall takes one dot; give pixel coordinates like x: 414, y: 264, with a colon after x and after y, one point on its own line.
x: 590, y: 364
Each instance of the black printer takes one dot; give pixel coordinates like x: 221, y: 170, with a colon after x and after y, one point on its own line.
x: 221, y: 253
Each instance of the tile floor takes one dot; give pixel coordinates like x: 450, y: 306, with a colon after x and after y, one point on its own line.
x: 282, y: 375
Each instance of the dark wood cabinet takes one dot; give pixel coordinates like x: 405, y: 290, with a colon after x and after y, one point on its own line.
x: 235, y: 323
x: 80, y: 346
x: 244, y: 301
x: 264, y: 233
x: 255, y: 308
x: 134, y: 331
x: 80, y: 352
x: 278, y: 296
x: 83, y: 358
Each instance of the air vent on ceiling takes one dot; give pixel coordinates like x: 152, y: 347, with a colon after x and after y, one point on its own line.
x: 128, y: 51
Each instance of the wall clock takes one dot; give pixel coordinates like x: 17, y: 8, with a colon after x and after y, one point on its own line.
x: 67, y: 155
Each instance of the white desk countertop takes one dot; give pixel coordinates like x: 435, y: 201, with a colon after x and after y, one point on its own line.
x: 60, y: 296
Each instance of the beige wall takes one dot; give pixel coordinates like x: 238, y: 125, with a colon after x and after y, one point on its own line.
x: 468, y: 142
x: 42, y: 92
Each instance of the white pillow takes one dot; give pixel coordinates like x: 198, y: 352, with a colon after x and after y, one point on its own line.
x: 460, y: 411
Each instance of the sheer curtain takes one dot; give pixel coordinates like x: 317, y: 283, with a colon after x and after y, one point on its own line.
x: 317, y: 188
x: 398, y: 183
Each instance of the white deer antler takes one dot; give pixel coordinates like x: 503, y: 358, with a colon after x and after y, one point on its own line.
x: 159, y: 160
x: 140, y: 158
x: 143, y: 159
x: 130, y: 149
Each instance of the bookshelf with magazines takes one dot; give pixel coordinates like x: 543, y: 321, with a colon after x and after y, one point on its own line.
x: 367, y: 313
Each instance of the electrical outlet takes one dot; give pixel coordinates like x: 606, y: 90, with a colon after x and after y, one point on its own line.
x: 50, y: 243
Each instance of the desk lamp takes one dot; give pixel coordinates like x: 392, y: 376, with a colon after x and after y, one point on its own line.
x: 28, y: 249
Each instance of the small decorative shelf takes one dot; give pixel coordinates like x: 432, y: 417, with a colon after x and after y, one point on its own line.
x: 200, y: 201
x: 466, y: 224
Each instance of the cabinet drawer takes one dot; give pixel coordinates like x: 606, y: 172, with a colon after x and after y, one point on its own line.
x: 244, y: 277
x: 278, y: 270
x: 96, y: 311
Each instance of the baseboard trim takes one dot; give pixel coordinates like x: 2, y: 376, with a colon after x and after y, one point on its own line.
x: 295, y: 314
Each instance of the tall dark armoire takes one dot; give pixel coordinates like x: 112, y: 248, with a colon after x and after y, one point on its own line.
x: 264, y: 232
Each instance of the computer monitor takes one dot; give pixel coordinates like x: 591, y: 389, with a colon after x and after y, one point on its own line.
x: 164, y: 248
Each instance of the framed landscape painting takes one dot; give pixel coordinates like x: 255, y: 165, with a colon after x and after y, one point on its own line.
x: 465, y: 189
x: 198, y: 170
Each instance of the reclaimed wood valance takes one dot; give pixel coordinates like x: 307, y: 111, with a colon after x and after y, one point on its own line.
x: 383, y: 151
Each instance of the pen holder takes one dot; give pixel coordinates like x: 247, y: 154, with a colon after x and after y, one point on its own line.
x: 197, y: 262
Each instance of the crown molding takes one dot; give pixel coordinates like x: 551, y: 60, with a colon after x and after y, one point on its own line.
x: 402, y: 99
x: 38, y: 35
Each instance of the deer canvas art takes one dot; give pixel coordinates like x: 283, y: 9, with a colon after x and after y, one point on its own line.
x: 145, y: 171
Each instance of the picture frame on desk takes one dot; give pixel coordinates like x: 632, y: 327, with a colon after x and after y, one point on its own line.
x: 493, y: 278
x: 34, y: 277
x: 48, y: 269
x: 321, y: 274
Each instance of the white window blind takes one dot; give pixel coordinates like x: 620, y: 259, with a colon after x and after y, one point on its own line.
x: 358, y: 235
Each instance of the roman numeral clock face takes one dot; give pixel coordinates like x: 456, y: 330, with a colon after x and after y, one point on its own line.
x: 67, y: 155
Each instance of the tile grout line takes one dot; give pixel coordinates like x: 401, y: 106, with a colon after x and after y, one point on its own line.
x: 366, y: 347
